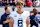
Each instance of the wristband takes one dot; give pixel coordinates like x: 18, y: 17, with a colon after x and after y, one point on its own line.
x: 5, y: 21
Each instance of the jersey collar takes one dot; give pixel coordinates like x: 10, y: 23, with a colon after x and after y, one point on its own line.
x: 21, y: 13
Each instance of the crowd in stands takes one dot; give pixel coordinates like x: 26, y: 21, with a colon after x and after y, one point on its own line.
x: 28, y: 3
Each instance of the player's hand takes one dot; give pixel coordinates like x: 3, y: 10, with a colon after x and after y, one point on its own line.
x: 8, y: 20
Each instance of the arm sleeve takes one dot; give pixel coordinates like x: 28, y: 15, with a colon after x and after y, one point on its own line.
x: 2, y: 19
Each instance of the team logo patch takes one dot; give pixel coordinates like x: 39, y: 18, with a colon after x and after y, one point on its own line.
x: 15, y: 15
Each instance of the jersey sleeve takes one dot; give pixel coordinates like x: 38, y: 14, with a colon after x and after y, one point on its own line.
x: 28, y: 14
x: 11, y: 15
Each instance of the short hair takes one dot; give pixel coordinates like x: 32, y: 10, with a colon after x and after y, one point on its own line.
x: 35, y: 10
x: 20, y: 3
x: 6, y: 8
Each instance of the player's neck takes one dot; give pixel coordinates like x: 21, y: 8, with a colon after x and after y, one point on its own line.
x: 7, y: 12
x: 34, y: 15
x: 19, y: 12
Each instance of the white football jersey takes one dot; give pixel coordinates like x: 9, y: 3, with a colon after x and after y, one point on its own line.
x: 20, y: 19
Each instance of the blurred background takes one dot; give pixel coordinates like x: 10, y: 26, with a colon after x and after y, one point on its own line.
x: 28, y: 3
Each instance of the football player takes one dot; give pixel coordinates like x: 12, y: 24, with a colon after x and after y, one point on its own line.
x: 19, y: 18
